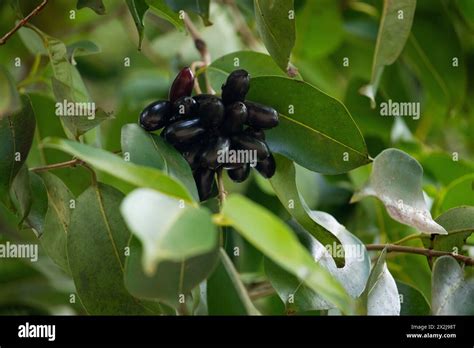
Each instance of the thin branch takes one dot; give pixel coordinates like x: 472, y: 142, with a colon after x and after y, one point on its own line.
x: 420, y: 251
x: 220, y: 187
x: 22, y: 22
x: 67, y: 164
x: 241, y: 25
x: 201, y: 46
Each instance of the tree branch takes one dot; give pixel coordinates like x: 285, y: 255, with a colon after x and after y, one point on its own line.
x: 420, y: 251
x: 67, y: 164
x: 22, y: 22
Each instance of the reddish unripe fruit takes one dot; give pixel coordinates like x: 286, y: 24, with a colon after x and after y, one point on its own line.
x: 182, y: 85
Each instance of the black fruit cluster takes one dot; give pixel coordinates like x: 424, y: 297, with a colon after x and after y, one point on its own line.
x: 203, y: 126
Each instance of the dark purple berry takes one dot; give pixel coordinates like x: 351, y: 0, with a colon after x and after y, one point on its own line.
x: 214, y: 155
x: 256, y: 133
x: 184, y: 132
x: 267, y: 167
x: 155, y: 115
x: 184, y: 107
x: 261, y: 116
x: 239, y: 174
x: 236, y: 86
x: 235, y: 117
x: 182, y: 85
x: 246, y: 142
x: 193, y: 156
x: 204, y: 178
x: 210, y: 110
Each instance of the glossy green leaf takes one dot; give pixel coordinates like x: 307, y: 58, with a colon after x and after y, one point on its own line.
x: 39, y: 204
x: 96, y: 5
x: 58, y: 217
x: 161, y: 9
x: 9, y: 98
x: 394, y: 29
x: 200, y: 7
x: 381, y: 293
x: 226, y: 294
x: 396, y: 180
x: 452, y: 294
x: 276, y: 25
x: 284, y: 185
x: 412, y: 301
x: 268, y: 234
x: 315, y: 130
x: 171, y: 279
x: 16, y: 136
x: 353, y: 276
x: 151, y: 150
x: 138, y: 9
x: 96, y: 247
x: 459, y: 222
x: 21, y: 192
x: 123, y: 170
x: 459, y: 192
x: 256, y: 63
x: 166, y: 227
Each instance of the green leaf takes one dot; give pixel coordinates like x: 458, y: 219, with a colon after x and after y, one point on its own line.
x: 277, y: 28
x: 16, y: 136
x: 412, y: 301
x: 81, y: 48
x: 21, y: 192
x: 57, y: 220
x: 396, y: 180
x: 443, y: 168
x: 96, y: 5
x: 171, y: 279
x: 284, y: 185
x: 353, y: 276
x: 200, y: 7
x: 161, y: 9
x: 459, y: 192
x: 381, y: 293
x: 451, y: 293
x: 395, y: 26
x: 277, y: 242
x: 39, y: 204
x: 96, y: 243
x: 459, y: 222
x: 166, y: 227
x: 256, y: 63
x: 314, y: 21
x: 151, y: 150
x: 226, y: 295
x: 68, y: 87
x: 123, y: 170
x: 320, y: 134
x: 138, y: 9
x: 9, y: 99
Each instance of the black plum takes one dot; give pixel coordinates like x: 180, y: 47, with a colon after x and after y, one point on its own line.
x: 236, y: 86
x: 184, y: 132
x: 155, y: 115
x: 215, y: 150
x: 210, y: 109
x: 239, y: 174
x: 261, y: 116
x: 256, y: 133
x: 204, y: 178
x: 267, y: 167
x: 235, y: 117
x: 246, y: 142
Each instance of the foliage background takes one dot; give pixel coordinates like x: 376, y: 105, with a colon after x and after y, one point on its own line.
x: 264, y: 274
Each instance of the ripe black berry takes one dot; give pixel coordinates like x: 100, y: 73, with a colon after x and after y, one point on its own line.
x: 210, y: 109
x: 183, y: 132
x: 256, y: 133
x: 193, y: 156
x: 155, y: 115
x: 184, y: 107
x: 235, y: 117
x: 204, y: 178
x: 236, y: 86
x: 261, y: 116
x: 182, y: 85
x: 246, y: 142
x: 267, y: 167
x: 216, y: 148
x: 239, y: 174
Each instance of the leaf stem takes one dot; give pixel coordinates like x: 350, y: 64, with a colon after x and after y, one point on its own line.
x: 469, y: 261
x: 22, y: 22
x: 410, y: 237
x: 220, y: 187
x: 67, y: 164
